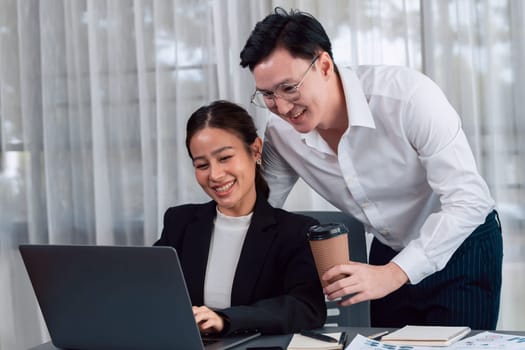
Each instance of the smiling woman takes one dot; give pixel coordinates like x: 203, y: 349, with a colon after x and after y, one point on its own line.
x: 225, y: 170
x: 267, y: 280
x: 225, y: 161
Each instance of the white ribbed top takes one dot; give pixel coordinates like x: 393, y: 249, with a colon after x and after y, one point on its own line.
x: 225, y: 248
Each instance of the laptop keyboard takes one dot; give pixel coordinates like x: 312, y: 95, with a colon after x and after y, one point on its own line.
x: 209, y: 338
x: 208, y: 341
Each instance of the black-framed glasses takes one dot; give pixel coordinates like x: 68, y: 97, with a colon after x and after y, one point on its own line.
x: 286, y: 91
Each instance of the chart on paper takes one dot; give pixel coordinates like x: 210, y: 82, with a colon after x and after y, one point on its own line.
x: 484, y: 341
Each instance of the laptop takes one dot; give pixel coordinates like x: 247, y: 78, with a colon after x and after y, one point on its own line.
x: 116, y: 298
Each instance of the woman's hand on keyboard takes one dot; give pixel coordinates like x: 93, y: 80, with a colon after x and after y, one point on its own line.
x: 207, y: 320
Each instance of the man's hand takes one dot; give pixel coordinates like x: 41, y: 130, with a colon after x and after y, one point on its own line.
x: 207, y: 320
x: 365, y: 281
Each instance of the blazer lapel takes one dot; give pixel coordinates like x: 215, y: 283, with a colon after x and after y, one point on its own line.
x: 257, y: 243
x: 196, y: 248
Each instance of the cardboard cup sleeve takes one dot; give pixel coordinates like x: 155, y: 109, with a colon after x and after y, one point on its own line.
x: 329, y: 245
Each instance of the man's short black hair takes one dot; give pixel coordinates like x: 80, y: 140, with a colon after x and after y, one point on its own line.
x: 298, y: 32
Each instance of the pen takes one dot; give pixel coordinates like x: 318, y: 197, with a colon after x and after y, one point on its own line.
x: 319, y: 336
x: 377, y: 336
x: 342, y: 338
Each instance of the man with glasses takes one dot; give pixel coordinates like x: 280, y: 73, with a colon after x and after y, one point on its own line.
x: 381, y: 143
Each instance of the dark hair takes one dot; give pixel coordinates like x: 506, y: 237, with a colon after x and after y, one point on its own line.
x: 230, y: 117
x: 299, y: 32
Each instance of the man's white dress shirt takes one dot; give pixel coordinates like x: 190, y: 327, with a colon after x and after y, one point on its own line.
x: 403, y: 167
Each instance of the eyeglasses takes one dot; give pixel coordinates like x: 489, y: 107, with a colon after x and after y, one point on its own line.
x: 286, y: 91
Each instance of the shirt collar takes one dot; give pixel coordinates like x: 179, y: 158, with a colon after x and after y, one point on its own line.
x: 356, y: 102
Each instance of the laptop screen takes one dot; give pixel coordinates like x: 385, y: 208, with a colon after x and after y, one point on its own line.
x: 113, y: 297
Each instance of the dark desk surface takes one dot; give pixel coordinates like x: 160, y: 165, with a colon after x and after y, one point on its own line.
x: 283, y: 340
x: 267, y: 340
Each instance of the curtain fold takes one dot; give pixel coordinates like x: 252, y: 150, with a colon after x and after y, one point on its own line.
x: 95, y: 94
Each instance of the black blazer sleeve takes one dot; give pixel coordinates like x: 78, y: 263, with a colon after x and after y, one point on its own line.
x: 275, y: 289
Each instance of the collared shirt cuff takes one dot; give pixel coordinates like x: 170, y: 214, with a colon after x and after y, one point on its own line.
x: 415, y: 264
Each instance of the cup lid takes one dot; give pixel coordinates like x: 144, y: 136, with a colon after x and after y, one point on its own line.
x: 325, y: 231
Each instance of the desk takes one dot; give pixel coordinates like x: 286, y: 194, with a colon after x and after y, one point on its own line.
x: 283, y: 340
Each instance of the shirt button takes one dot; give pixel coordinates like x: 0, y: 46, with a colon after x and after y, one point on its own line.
x: 365, y: 204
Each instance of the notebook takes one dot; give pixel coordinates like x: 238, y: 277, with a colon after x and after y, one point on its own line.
x: 426, y: 335
x: 300, y: 342
x: 115, y: 298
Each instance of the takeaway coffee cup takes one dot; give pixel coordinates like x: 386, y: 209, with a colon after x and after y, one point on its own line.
x: 329, y: 245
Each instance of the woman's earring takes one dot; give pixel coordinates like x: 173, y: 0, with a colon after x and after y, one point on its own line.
x: 258, y: 161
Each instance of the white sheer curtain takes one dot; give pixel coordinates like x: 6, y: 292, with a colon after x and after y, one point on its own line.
x: 94, y: 96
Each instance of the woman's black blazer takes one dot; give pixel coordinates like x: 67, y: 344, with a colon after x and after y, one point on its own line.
x: 275, y: 288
